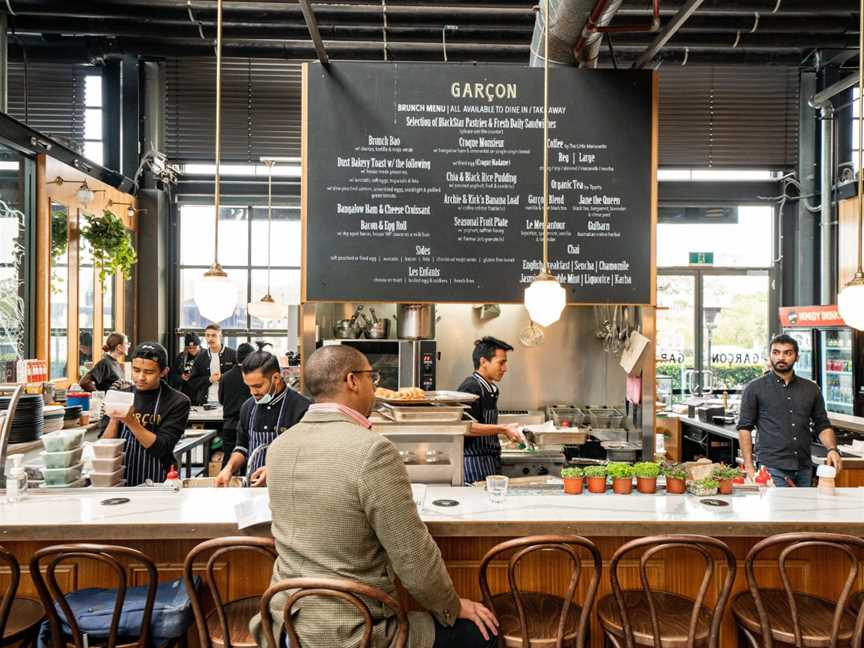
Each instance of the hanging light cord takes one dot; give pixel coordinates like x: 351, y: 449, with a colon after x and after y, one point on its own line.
x: 546, y: 140
x: 218, y: 124
x: 269, y: 164
x: 860, y: 271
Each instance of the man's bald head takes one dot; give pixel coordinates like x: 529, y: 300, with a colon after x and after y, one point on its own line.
x: 325, y: 371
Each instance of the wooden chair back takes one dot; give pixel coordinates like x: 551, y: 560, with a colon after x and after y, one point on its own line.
x: 349, y: 591
x: 50, y: 593
x: 652, y: 545
x: 11, y: 562
x: 791, y: 543
x: 219, y: 547
x: 570, y: 546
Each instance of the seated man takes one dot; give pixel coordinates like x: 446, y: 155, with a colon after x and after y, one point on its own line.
x: 343, y: 508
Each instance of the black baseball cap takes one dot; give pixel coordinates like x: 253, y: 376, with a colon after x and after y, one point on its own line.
x: 152, y: 351
x: 191, y: 338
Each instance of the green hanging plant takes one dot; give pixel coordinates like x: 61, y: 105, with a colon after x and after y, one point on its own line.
x: 111, y: 243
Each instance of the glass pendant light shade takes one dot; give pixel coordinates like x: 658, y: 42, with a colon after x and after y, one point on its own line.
x: 215, y: 295
x: 545, y: 299
x: 850, y: 303
x: 84, y: 195
x: 268, y: 309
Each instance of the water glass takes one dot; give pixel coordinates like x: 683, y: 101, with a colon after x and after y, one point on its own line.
x: 496, y: 486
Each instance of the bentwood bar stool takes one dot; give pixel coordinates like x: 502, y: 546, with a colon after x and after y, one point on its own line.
x: 772, y: 617
x: 19, y: 617
x: 349, y: 591
x: 227, y: 625
x: 652, y: 618
x: 537, y: 619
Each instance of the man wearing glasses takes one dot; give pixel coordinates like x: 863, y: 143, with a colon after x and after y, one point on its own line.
x: 343, y: 508
x: 272, y: 408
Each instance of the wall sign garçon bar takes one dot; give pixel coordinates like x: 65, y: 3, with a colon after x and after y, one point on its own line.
x: 424, y: 182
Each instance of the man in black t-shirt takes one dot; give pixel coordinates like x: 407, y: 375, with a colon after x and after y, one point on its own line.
x: 155, y: 422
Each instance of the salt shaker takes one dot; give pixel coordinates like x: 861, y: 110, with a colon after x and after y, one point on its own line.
x: 826, y: 475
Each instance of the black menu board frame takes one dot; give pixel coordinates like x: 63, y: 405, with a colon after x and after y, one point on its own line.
x: 423, y: 183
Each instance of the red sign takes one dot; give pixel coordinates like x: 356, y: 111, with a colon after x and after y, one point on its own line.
x: 810, y: 316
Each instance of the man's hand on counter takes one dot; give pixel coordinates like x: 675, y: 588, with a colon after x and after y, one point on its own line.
x: 224, y: 477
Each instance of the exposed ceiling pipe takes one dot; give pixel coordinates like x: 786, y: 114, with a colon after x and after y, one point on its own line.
x: 586, y: 51
x: 569, y: 41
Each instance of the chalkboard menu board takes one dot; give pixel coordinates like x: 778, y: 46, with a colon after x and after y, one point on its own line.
x: 425, y: 182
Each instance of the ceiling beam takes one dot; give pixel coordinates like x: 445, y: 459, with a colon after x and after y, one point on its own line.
x: 312, y: 24
x: 667, y: 33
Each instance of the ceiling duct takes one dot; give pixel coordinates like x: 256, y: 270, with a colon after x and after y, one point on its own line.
x: 574, y: 37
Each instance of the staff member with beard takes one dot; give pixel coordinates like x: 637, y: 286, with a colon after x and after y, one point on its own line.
x: 482, y: 448
x: 181, y: 369
x: 272, y: 409
x: 156, y: 420
x: 787, y: 411
x: 210, y: 366
x: 233, y: 392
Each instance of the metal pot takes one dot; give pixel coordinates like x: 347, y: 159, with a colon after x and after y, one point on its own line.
x: 379, y: 330
x: 415, y: 321
x: 346, y: 329
x: 621, y: 451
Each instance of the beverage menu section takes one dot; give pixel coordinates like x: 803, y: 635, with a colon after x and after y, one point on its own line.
x: 425, y: 183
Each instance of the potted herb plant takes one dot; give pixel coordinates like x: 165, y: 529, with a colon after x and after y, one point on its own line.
x: 725, y: 475
x: 703, y: 487
x: 622, y: 477
x: 596, y: 476
x: 573, y: 480
x: 676, y: 477
x: 646, y: 476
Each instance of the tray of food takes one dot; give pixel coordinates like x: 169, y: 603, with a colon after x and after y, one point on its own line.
x: 417, y: 396
x: 423, y: 413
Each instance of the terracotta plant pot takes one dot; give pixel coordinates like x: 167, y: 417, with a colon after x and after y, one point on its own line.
x: 725, y: 487
x: 573, y: 485
x: 622, y: 486
x: 596, y: 484
x: 647, y: 485
x: 675, y: 486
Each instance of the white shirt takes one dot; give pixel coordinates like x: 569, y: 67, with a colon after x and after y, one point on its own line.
x: 215, y: 368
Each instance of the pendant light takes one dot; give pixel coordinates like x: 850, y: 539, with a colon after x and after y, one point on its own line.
x: 268, y: 308
x: 545, y: 298
x: 215, y: 294
x: 850, y: 301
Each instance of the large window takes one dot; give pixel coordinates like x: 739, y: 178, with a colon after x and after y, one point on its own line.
x: 243, y: 247
x: 93, y: 118
x: 713, y: 323
x: 13, y: 256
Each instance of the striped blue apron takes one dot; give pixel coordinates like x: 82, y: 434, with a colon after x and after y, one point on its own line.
x: 483, y: 454
x: 259, y: 438
x: 140, y: 464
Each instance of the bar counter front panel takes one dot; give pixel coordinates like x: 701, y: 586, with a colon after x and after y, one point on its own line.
x: 167, y: 525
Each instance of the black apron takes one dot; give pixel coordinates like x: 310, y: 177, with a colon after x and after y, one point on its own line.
x: 140, y: 464
x: 483, y: 453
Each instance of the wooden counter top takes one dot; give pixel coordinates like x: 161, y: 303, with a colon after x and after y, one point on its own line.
x: 206, y: 513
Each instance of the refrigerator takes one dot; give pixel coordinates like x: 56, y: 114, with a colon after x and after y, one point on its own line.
x: 830, y: 353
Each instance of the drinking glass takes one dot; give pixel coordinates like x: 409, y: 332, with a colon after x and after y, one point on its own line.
x: 496, y: 486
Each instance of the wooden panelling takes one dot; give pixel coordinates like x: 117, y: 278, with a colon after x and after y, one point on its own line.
x: 248, y: 574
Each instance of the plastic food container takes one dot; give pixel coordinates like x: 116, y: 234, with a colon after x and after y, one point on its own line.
x: 61, y: 459
x: 62, y: 476
x: 117, y: 403
x: 107, y: 479
x: 78, y: 483
x: 108, y: 448
x: 62, y: 440
x: 108, y: 465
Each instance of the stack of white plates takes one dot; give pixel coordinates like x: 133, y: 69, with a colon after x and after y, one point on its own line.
x: 53, y: 418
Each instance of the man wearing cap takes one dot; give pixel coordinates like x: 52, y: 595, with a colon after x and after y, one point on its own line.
x: 156, y: 420
x: 181, y: 370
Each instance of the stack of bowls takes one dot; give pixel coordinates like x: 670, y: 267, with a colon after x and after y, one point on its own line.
x: 62, y: 458
x: 73, y: 413
x: 27, y: 425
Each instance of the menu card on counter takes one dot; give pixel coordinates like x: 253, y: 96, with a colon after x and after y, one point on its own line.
x: 424, y: 182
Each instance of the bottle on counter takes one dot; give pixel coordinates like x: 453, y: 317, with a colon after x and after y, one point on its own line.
x: 826, y: 475
x: 16, y: 479
x: 173, y: 480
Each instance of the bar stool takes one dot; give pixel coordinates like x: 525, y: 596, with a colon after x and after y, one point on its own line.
x: 349, y: 591
x: 72, y: 606
x: 537, y: 619
x: 226, y: 626
x: 19, y: 617
x: 766, y: 616
x: 651, y: 618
